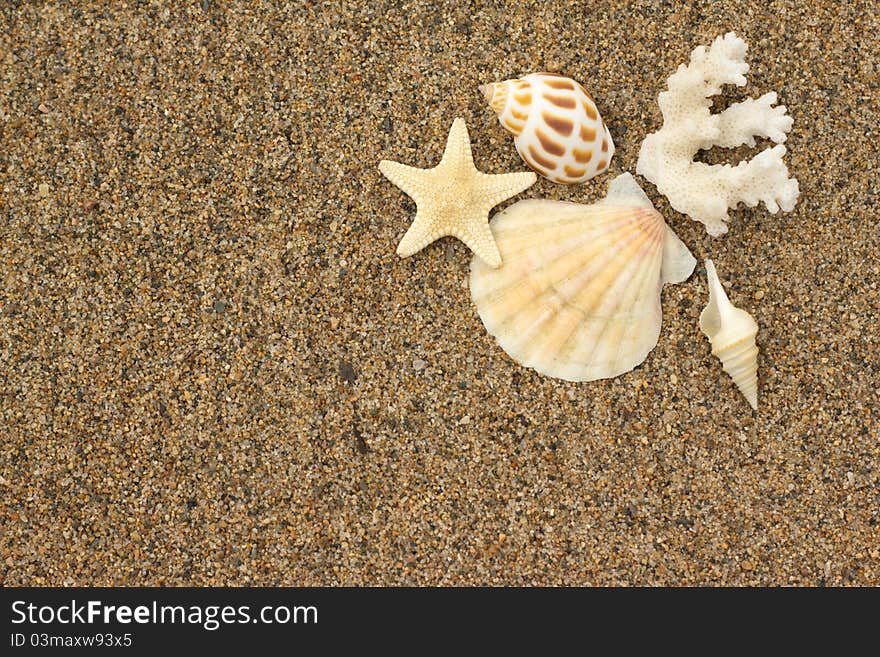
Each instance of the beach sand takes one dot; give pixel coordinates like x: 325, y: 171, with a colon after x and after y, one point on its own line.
x: 215, y: 370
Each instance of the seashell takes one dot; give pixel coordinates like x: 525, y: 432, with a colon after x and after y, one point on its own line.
x: 556, y: 126
x: 732, y: 333
x: 578, y: 294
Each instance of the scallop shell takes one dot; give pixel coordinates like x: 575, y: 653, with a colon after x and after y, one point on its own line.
x: 556, y: 126
x: 731, y: 331
x: 578, y: 294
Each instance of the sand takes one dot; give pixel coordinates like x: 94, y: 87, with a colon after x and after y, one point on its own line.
x: 215, y: 370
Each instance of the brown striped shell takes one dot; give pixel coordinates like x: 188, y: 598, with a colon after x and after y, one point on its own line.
x: 556, y: 126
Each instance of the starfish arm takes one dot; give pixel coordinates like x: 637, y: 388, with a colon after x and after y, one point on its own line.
x: 478, y: 237
x: 500, y: 187
x: 458, y: 146
x: 420, y: 234
x: 409, y: 179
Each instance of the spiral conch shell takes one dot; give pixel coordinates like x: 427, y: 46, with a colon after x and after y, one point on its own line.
x: 732, y: 333
x: 556, y: 126
x: 578, y: 294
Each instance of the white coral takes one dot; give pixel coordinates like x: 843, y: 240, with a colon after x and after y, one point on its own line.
x: 703, y: 191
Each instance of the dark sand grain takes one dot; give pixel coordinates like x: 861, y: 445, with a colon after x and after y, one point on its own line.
x: 215, y: 370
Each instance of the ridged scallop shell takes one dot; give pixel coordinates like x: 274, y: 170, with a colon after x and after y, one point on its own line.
x: 556, y: 126
x: 731, y: 331
x: 578, y: 294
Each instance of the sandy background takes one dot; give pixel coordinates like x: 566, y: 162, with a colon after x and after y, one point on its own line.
x: 209, y: 352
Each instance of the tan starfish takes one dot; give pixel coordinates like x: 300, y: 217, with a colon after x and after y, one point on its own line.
x: 454, y: 198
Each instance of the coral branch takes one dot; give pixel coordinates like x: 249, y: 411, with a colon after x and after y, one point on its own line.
x: 741, y: 123
x: 706, y: 192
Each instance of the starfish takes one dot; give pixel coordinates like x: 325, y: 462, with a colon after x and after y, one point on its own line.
x: 454, y: 198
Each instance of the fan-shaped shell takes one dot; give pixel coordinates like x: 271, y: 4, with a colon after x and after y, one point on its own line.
x: 556, y: 126
x: 578, y: 294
